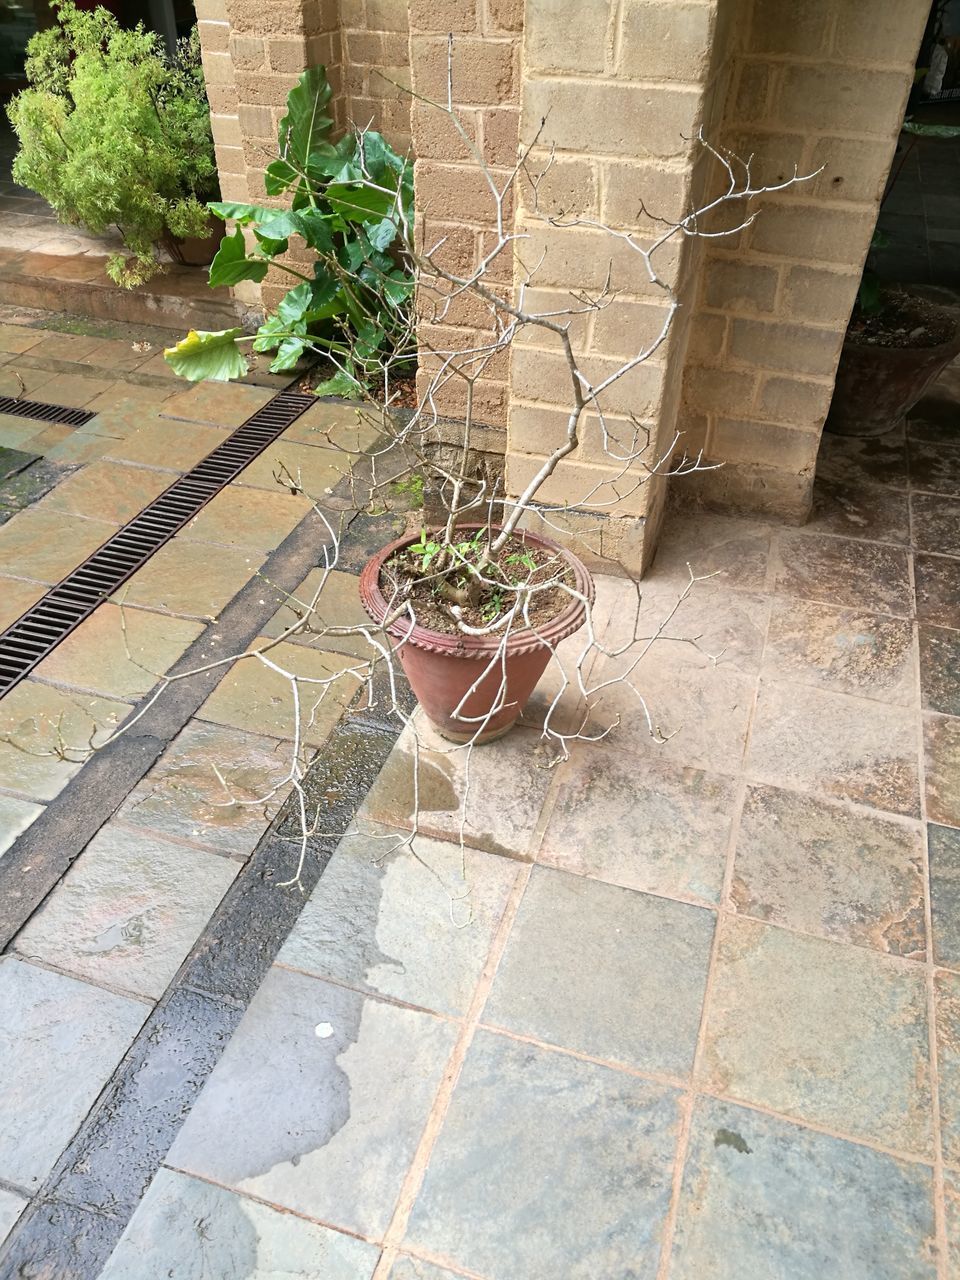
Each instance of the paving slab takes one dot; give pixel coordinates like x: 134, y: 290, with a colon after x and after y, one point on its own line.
x: 173, y: 446
x: 348, y: 428
x: 184, y: 578
x: 822, y: 1032
x: 943, y: 845
x: 524, y: 1120
x: 844, y: 747
x: 951, y: 1181
x: 940, y: 670
x: 107, y: 491
x: 826, y: 869
x: 247, y: 518
x: 765, y: 1198
x: 287, y: 467
x: 18, y: 337
x: 334, y: 1088
x: 73, y: 390
x: 605, y: 971
x: 119, y: 652
x: 408, y: 1268
x: 736, y: 550
x: 936, y: 523
x: 941, y: 736
x: 860, y: 510
x: 16, y: 597
x: 413, y: 926
x: 15, y: 817
x: 843, y: 650
x: 854, y: 459
x: 211, y: 786
x: 866, y: 576
x: 16, y: 431
x: 699, y: 712
x: 128, y: 911
x: 499, y: 799
x: 220, y: 403
x: 192, y: 1230
x: 47, y: 1020
x: 253, y: 697
x: 45, y: 735
x: 938, y: 590
x: 641, y: 823
x: 45, y: 545
x: 338, y: 605
x: 947, y: 994
x: 934, y: 467
x: 11, y: 1207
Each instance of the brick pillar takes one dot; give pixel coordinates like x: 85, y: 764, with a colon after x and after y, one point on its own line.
x: 623, y: 87
x: 453, y: 201
x: 376, y: 58
x: 814, y: 84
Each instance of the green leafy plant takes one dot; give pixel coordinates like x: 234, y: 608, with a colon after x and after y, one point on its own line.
x: 113, y: 132
x: 351, y: 202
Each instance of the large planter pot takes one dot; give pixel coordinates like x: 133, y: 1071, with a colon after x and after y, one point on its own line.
x: 195, y: 251
x: 443, y: 670
x: 877, y: 386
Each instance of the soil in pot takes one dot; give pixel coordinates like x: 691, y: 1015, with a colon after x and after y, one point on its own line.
x: 448, y: 669
x: 889, y: 360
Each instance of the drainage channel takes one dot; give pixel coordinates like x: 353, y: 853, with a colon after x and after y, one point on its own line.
x: 58, y: 413
x: 28, y: 640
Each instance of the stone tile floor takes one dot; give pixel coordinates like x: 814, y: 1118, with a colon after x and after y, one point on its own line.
x: 678, y: 1010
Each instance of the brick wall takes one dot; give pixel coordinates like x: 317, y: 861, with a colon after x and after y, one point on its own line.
x: 375, y: 59
x: 814, y: 83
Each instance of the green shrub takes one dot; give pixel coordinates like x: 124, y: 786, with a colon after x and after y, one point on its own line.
x: 352, y: 203
x: 114, y: 132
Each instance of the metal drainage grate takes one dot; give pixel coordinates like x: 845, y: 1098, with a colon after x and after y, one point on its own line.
x: 45, y: 412
x: 65, y: 606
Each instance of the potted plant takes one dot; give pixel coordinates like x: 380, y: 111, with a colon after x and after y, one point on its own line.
x: 898, y: 342
x: 475, y: 600
x: 115, y: 133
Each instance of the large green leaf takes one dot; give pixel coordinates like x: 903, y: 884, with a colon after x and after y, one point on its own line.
x: 304, y: 129
x: 208, y: 355
x: 360, y: 203
x: 341, y: 384
x: 288, y: 353
x: 231, y: 264
x: 242, y: 213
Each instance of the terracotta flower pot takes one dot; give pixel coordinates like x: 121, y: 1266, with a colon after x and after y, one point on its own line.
x: 877, y: 386
x: 442, y: 669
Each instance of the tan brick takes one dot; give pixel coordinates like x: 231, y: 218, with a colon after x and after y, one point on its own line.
x: 794, y: 26
x: 725, y: 391
x: 451, y: 246
x: 264, y: 89
x: 731, y: 285
x: 226, y: 131
x: 816, y: 97
x: 707, y: 338
x: 556, y: 40
x: 773, y: 158
x: 484, y: 71
x: 381, y: 49
x: 500, y: 131
x: 390, y: 82
x: 625, y: 328
x: 489, y: 399
x: 612, y: 119
x: 890, y: 32
x: 813, y: 234
x: 692, y: 430
x: 583, y: 258
x: 635, y: 194
x: 458, y: 193
x: 534, y: 429
x: 463, y: 310
x: 387, y: 15
x: 559, y: 187
x: 218, y: 68
x: 249, y: 53
x: 440, y: 17
x: 794, y: 402
x: 230, y: 160
x: 439, y: 342
x: 790, y: 347
x: 355, y: 80
x: 732, y: 440
x: 545, y: 376
x: 214, y: 36
x: 437, y: 137
x: 503, y: 15
x: 222, y: 99
x: 666, y: 40
x: 234, y: 187
x: 577, y: 482
x: 353, y: 15
x: 211, y: 10
x: 853, y: 169
x: 753, y: 92
x: 288, y: 55
x: 824, y: 296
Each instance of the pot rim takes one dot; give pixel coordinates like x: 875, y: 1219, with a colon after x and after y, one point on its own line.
x: 949, y: 313
x: 550, y: 634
